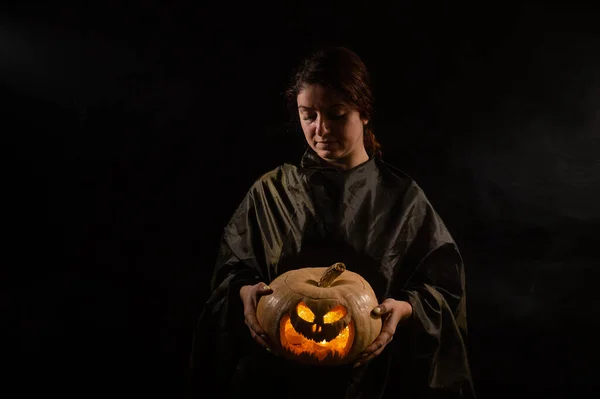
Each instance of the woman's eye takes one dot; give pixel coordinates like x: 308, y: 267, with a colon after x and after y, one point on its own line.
x: 331, y: 117
x: 338, y: 116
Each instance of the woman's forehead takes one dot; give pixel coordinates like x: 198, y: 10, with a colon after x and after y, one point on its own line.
x: 318, y: 96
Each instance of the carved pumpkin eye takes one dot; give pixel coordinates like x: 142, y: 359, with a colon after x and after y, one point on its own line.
x: 335, y: 314
x: 305, y: 313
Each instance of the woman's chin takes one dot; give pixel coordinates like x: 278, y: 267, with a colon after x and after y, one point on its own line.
x: 329, y: 153
x: 329, y: 156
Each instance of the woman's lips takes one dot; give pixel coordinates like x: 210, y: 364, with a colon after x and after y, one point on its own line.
x: 325, y: 143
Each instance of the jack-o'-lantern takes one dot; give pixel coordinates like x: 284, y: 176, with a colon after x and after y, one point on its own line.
x: 319, y: 315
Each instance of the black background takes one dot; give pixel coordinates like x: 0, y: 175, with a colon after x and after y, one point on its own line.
x: 136, y: 128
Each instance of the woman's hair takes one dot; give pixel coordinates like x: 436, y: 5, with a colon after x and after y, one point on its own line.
x: 341, y: 70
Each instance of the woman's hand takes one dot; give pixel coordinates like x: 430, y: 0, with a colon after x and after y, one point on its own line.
x: 392, y: 312
x: 250, y: 295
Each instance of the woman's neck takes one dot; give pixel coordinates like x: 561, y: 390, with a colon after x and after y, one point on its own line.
x: 351, y: 161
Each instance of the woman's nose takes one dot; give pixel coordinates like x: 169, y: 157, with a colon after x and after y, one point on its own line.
x: 322, y: 126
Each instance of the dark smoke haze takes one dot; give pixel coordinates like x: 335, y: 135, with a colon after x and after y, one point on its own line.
x: 541, y: 147
x: 119, y: 132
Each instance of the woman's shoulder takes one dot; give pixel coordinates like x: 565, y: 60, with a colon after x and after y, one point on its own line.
x: 413, y: 194
x: 394, y: 177
x: 282, y: 176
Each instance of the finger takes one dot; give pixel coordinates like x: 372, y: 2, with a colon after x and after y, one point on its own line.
x: 252, y: 322
x: 261, y: 340
x: 391, y: 322
x: 382, y: 340
x: 257, y: 331
x: 384, y: 307
x: 263, y: 289
x: 364, y: 360
x: 375, y: 348
x: 251, y: 299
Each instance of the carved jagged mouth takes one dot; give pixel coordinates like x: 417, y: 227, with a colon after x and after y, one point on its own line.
x: 307, y: 348
x: 318, y: 332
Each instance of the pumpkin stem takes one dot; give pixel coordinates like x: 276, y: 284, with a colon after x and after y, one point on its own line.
x: 331, y: 273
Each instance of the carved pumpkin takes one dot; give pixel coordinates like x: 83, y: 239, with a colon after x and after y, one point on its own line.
x: 320, y: 316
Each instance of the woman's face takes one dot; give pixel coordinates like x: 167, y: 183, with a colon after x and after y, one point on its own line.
x: 332, y: 128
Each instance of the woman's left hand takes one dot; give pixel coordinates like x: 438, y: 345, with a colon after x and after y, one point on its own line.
x: 392, y: 313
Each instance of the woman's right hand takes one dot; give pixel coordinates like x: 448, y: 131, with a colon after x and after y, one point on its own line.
x: 250, y: 295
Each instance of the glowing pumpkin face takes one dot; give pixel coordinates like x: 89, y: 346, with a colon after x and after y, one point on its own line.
x: 317, y: 318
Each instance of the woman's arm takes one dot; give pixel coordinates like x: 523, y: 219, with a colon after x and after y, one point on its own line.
x: 221, y: 334
x: 432, y: 279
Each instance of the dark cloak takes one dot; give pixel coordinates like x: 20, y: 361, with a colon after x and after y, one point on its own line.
x: 376, y: 220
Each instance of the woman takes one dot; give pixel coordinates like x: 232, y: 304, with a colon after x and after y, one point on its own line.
x: 342, y: 203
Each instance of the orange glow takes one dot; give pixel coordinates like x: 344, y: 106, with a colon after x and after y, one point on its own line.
x: 299, y: 345
x: 305, y: 313
x: 335, y: 314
